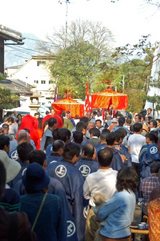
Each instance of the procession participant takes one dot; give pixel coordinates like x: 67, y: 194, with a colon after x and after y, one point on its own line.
x: 57, y: 152
x: 77, y: 137
x: 87, y: 163
x: 72, y: 181
x: 47, y: 137
x: 29, y: 122
x: 148, y: 154
x: 103, y: 140
x: 94, y: 136
x: 55, y: 115
x: 118, y: 161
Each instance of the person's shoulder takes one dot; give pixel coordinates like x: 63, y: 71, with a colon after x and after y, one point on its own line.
x: 53, y: 197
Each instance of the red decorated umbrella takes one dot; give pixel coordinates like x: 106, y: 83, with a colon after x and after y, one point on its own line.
x: 108, y: 98
x: 75, y: 108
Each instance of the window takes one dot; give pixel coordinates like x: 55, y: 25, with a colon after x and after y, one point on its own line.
x: 36, y: 81
x: 41, y: 63
x: 51, y: 81
x: 43, y: 82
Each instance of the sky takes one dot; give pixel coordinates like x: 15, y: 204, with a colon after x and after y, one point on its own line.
x: 128, y: 20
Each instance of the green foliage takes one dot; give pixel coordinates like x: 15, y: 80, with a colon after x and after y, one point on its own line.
x: 73, y: 66
x: 2, y: 76
x: 8, y: 100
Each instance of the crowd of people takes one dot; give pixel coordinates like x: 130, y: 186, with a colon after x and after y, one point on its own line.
x: 67, y: 179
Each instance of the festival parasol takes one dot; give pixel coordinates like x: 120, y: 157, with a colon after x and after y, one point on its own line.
x: 75, y: 108
x: 108, y: 98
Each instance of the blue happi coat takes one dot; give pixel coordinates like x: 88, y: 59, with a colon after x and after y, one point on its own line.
x: 148, y: 154
x: 86, y: 166
x: 72, y: 182
x: 100, y: 147
x: 117, y: 163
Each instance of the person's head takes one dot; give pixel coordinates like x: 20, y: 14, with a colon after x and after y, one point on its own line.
x: 127, y: 179
x: 149, y: 111
x: 55, y: 134
x: 77, y: 137
x: 5, y: 128
x: 2, y: 178
x: 105, y: 157
x: 85, y: 119
x: 128, y: 121
x: 71, y: 152
x: 4, y: 143
x: 68, y: 114
x: 82, y: 127
x: 23, y: 150
x: 90, y: 125
x: 94, y: 113
x: 52, y: 123
x: 114, y: 121
x: 98, y: 123
x: 104, y: 134
x: 88, y: 151
x: 19, y: 117
x: 23, y: 136
x: 35, y: 179
x: 153, y: 124
x: 111, y: 139
x: 121, y: 120
x: 10, y: 120
x: 155, y: 167
x: 64, y: 135
x: 120, y: 134
x: 36, y: 115
x: 151, y: 138
x: 37, y: 156
x: 137, y: 127
x: 137, y: 118
x: 94, y: 132
x: 58, y: 147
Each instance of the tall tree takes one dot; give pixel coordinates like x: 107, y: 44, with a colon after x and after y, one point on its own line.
x: 73, y: 66
x: 79, y: 31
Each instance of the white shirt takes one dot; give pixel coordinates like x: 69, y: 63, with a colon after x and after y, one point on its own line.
x: 102, y: 181
x: 135, y: 143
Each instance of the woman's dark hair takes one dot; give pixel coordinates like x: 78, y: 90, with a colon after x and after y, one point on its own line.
x: 127, y: 179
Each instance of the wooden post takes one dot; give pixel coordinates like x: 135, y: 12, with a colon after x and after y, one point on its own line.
x: 1, y: 55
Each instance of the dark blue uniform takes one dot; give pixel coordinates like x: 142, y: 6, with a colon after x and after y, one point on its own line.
x: 72, y: 182
x: 86, y: 166
x: 148, y: 154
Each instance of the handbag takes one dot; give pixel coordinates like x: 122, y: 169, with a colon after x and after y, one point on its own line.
x: 39, y: 211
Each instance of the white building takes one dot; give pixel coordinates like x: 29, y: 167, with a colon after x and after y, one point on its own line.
x: 36, y: 73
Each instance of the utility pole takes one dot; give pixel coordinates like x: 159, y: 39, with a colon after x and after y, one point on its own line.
x: 67, y: 2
